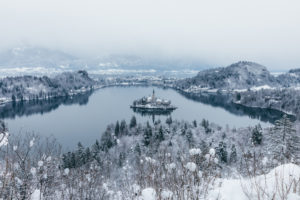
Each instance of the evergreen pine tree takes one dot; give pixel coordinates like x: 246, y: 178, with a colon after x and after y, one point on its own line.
x: 233, y: 155
x: 67, y: 160
x: 117, y: 129
x: 169, y: 121
x: 222, y: 152
x: 183, y: 130
x: 195, y: 123
x: 204, y: 147
x: 189, y: 137
x: 160, y: 135
x: 295, y: 147
x: 284, y: 140
x: 107, y: 141
x: 121, y: 159
x: 80, y: 157
x: 73, y: 162
x: 204, y: 123
x: 257, y: 135
x: 132, y: 122
x: 96, y: 148
x: 147, y: 135
x: 123, y: 127
x: 137, y: 149
x: 87, y: 155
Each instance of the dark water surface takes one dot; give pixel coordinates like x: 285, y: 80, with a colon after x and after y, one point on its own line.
x: 84, y: 117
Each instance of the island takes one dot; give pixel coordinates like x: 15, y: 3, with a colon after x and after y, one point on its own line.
x: 153, y: 105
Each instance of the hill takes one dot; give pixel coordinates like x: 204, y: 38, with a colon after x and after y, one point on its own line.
x: 32, y: 87
x: 240, y: 75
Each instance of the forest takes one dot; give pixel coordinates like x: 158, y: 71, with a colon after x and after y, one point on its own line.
x: 22, y: 88
x: 164, y: 160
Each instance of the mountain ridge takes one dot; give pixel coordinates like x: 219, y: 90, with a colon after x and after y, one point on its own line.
x: 33, y: 57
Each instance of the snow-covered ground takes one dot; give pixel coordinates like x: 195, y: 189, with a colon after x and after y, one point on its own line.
x: 196, y: 89
x: 280, y: 183
x: 262, y: 87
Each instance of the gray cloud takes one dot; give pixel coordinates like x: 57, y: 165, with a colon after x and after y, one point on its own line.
x: 214, y: 32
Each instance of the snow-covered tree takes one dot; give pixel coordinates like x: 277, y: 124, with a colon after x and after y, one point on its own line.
x: 132, y: 122
x: 117, y: 129
x: 257, y: 135
x: 222, y: 152
x: 147, y: 135
x: 233, y: 155
x: 107, y: 140
x: 169, y: 121
x: 284, y: 140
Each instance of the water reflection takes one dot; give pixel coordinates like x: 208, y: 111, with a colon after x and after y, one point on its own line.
x: 224, y: 101
x: 152, y: 113
x: 27, y: 108
x: 72, y: 123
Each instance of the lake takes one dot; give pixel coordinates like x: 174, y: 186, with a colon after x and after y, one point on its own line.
x: 84, y: 118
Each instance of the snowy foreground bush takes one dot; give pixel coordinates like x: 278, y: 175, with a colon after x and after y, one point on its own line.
x: 282, y: 182
x: 174, y: 160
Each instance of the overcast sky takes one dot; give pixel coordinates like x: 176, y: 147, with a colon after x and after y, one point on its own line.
x: 215, y: 32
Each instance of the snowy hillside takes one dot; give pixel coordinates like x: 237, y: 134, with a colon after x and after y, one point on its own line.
x: 277, y: 184
x: 291, y: 78
x: 240, y: 75
x: 248, y: 84
x: 164, y: 160
x: 31, y: 87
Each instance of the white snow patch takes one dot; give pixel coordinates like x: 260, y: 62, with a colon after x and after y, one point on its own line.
x: 263, y: 87
x: 171, y: 166
x: 136, y: 188
x: 191, y: 166
x: 150, y: 160
x: 49, y: 158
x: 66, y: 171
x: 195, y: 151
x: 31, y: 143
x: 274, y: 184
x: 212, y: 152
x: 33, y: 171
x: 36, y: 195
x: 148, y: 194
x: 40, y: 163
x: 3, y: 139
x: 166, y: 194
x: 240, y: 90
x: 216, y: 160
x: 200, y: 174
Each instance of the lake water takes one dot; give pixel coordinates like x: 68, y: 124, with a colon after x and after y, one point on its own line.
x: 85, y: 118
